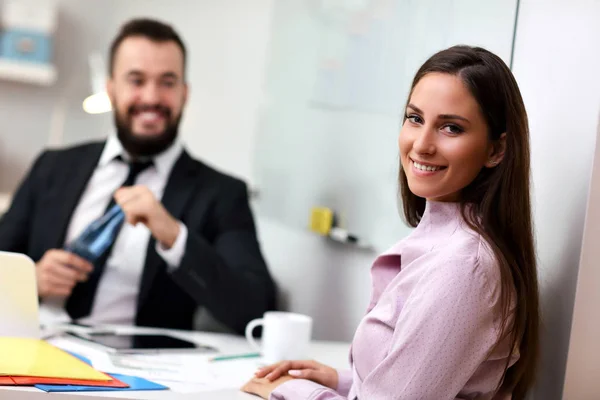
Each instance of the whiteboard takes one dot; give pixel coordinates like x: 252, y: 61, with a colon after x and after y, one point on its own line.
x: 338, y: 75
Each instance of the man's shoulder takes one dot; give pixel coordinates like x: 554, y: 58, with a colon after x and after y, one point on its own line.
x: 51, y: 161
x: 72, y: 152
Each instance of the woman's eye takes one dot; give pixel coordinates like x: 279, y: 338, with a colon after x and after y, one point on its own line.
x: 453, y: 129
x: 415, y: 119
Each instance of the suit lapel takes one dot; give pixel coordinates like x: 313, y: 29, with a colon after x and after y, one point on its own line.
x: 179, y: 188
x: 78, y: 174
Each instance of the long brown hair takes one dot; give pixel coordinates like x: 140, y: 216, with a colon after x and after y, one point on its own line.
x: 499, y: 199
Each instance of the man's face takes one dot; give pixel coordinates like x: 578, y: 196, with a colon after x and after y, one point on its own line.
x: 148, y: 93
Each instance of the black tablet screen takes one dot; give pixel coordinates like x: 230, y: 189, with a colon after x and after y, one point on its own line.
x: 125, y: 342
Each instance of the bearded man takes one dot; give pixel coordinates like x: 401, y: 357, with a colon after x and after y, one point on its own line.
x: 189, y: 242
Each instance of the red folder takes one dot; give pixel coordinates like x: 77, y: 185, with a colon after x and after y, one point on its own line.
x: 33, y: 380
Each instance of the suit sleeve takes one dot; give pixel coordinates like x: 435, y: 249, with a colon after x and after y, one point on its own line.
x: 228, y: 276
x: 15, y: 224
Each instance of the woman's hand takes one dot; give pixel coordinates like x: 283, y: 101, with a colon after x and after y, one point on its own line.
x: 311, y: 370
x: 263, y: 387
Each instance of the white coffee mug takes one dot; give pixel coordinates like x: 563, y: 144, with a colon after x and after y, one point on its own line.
x: 286, y: 336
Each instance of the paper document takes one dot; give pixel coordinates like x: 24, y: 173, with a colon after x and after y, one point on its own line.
x: 189, y: 373
x: 183, y: 373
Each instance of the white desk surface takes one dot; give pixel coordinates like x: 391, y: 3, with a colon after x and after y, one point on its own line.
x: 334, y: 354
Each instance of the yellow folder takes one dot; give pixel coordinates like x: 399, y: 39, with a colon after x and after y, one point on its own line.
x: 34, y: 357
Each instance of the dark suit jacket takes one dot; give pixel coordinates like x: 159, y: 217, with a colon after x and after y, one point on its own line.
x: 222, y: 268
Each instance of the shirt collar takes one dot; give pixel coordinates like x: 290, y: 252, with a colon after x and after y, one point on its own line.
x: 112, y: 149
x: 163, y: 162
x: 438, y: 222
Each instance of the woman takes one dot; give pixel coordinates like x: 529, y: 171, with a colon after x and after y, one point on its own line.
x: 454, y: 306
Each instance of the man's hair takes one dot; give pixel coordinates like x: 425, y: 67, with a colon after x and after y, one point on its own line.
x: 151, y: 29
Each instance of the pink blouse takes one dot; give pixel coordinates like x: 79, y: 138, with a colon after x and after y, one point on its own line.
x: 431, y: 329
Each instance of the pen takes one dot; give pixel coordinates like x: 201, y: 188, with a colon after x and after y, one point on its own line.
x: 235, y: 356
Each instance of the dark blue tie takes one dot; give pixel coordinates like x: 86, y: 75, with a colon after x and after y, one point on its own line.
x: 79, y: 304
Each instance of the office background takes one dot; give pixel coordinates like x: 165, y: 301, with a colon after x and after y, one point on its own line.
x: 556, y: 63
x: 337, y: 77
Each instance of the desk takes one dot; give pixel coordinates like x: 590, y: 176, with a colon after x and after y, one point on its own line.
x: 334, y: 354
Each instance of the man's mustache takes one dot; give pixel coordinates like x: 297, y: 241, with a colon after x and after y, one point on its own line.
x: 165, y: 111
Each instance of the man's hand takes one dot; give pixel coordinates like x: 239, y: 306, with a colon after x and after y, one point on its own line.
x: 59, y: 271
x: 140, y: 205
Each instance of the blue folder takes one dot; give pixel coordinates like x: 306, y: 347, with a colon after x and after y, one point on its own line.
x: 134, y: 382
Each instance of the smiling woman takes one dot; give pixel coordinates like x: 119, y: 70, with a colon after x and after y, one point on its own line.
x: 454, y: 306
x: 444, y: 142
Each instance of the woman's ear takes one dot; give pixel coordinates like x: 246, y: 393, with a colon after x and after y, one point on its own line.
x: 496, y: 152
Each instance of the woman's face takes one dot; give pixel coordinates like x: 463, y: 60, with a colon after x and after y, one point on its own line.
x: 444, y: 140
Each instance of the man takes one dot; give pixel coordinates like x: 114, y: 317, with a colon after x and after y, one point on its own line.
x: 190, y: 238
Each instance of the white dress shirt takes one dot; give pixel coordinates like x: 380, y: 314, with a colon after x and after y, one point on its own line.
x: 115, y: 301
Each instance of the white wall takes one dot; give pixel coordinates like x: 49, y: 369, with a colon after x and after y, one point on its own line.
x: 583, y: 363
x: 556, y: 64
x: 325, y: 280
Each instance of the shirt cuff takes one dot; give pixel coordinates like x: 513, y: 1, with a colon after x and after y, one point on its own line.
x: 174, y: 255
x: 298, y: 389
x: 344, y: 381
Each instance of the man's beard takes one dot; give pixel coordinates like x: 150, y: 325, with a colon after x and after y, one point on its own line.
x: 141, y: 145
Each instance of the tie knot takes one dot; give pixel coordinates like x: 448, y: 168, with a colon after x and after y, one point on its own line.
x: 135, y: 168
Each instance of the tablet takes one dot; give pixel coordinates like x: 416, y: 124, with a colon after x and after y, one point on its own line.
x: 141, y: 343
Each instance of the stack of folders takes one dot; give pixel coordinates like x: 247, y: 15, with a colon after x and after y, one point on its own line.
x: 34, y: 362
